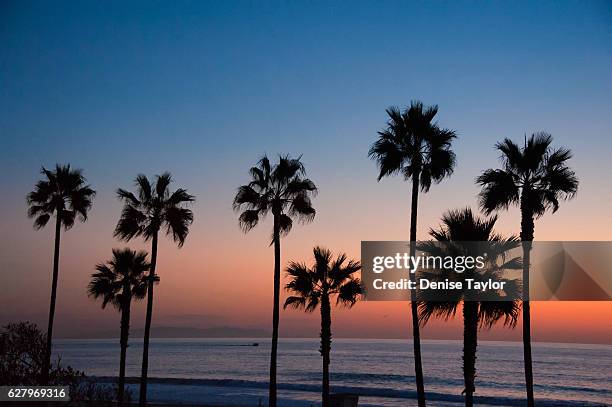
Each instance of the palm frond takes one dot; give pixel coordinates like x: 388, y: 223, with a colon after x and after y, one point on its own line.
x: 295, y: 302
x: 178, y: 220
x: 349, y: 292
x: 280, y: 188
x: 285, y: 224
x: 327, y: 277
x: 131, y: 223
x: 248, y: 219
x: 162, y: 182
x: 64, y: 193
x: 126, y: 270
x: 154, y: 207
x: 437, y: 309
x: 499, y: 190
x: 143, y: 186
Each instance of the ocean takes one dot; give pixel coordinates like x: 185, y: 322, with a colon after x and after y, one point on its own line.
x: 233, y: 372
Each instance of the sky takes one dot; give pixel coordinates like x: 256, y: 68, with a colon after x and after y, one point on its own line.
x: 204, y: 89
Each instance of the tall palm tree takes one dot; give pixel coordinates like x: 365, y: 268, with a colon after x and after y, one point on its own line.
x: 535, y: 177
x: 284, y: 190
x: 313, y: 287
x: 152, y: 209
x: 62, y: 192
x: 117, y: 282
x: 415, y: 146
x: 463, y: 234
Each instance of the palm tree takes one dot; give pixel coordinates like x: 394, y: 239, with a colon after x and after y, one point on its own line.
x: 145, y: 214
x: 117, y: 282
x: 283, y: 190
x: 315, y: 286
x: 420, y: 150
x: 463, y: 234
x: 536, y: 178
x: 65, y: 194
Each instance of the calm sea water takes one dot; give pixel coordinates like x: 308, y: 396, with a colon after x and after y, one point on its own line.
x: 229, y: 371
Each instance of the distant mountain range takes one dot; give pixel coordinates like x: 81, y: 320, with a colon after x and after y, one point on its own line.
x: 183, y: 332
x: 212, y: 332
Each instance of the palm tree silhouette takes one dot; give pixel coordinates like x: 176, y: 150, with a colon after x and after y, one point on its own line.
x: 65, y: 194
x: 283, y: 190
x: 145, y: 214
x: 420, y: 150
x: 312, y: 287
x: 536, y: 178
x: 463, y: 234
x: 117, y: 282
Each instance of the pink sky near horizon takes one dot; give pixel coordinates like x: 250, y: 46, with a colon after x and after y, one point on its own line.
x: 226, y: 276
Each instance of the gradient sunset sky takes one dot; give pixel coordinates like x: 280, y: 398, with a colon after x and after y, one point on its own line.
x: 203, y: 89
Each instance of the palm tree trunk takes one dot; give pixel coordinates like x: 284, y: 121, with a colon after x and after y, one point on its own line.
x: 416, y: 335
x: 325, y: 345
x: 470, y: 342
x: 145, y: 347
x: 275, y: 312
x: 125, y: 327
x: 527, y: 231
x: 47, y: 361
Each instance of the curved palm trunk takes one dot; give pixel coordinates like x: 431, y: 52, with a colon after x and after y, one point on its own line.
x: 325, y: 345
x: 527, y: 229
x: 142, y: 401
x: 275, y: 313
x: 416, y: 335
x: 470, y: 342
x: 125, y: 328
x: 47, y: 361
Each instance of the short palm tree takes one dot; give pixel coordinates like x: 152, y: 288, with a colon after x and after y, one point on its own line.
x: 416, y: 147
x: 535, y: 177
x: 313, y: 287
x: 62, y: 192
x: 463, y: 234
x: 117, y: 282
x: 283, y: 190
x: 153, y: 209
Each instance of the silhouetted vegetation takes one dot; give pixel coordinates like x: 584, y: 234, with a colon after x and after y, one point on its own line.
x: 312, y: 287
x: 62, y: 193
x: 283, y: 190
x: 117, y: 282
x: 22, y: 356
x: 145, y: 214
x: 535, y: 177
x: 464, y: 234
x: 414, y: 146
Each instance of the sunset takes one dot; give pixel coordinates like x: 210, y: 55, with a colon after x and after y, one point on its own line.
x: 229, y: 140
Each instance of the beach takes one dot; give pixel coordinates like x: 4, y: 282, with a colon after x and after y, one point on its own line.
x: 233, y: 372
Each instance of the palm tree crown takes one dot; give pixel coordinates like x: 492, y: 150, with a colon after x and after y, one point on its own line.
x: 414, y: 145
x: 535, y: 173
x: 153, y: 207
x: 463, y: 233
x: 126, y: 270
x: 63, y: 192
x: 282, y: 189
x: 326, y: 276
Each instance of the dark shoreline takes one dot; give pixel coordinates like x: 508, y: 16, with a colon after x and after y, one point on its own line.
x: 361, y: 391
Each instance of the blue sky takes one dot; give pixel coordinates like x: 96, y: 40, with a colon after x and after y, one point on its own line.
x: 192, y: 81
